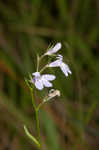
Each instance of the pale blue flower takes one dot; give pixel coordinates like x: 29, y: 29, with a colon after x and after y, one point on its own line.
x: 42, y: 81
x: 59, y: 63
x: 54, y: 49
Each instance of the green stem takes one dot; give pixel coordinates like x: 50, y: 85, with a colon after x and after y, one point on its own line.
x: 41, y: 104
x: 38, y: 127
x: 38, y: 62
x: 33, y: 103
x: 43, y: 68
x: 37, y: 119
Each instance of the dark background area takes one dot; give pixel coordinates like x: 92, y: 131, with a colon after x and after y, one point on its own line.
x: 27, y: 27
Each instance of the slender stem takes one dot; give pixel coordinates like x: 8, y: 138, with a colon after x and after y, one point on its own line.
x: 39, y: 106
x: 43, y: 68
x: 42, y: 103
x: 33, y: 103
x: 37, y: 119
x: 41, y: 57
x: 38, y: 127
x: 37, y: 63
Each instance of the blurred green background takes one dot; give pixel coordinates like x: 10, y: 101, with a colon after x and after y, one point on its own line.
x: 27, y: 27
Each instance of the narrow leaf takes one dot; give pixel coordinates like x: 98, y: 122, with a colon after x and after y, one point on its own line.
x: 31, y: 137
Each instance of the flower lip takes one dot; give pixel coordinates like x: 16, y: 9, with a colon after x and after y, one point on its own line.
x: 41, y: 81
x: 59, y: 63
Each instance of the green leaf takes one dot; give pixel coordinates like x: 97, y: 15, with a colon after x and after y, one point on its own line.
x: 31, y: 136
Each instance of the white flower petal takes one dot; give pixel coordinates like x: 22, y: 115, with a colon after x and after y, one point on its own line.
x: 57, y: 47
x: 46, y: 83
x: 65, y: 69
x: 53, y: 50
x: 48, y: 77
x: 39, y: 84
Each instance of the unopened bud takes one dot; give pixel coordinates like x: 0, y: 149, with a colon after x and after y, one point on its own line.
x: 54, y: 93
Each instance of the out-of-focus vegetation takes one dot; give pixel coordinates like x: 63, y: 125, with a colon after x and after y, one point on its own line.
x: 27, y: 28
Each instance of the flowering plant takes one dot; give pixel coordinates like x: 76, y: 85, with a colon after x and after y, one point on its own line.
x: 39, y: 80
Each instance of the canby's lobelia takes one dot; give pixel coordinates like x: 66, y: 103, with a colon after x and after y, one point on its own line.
x: 40, y: 80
